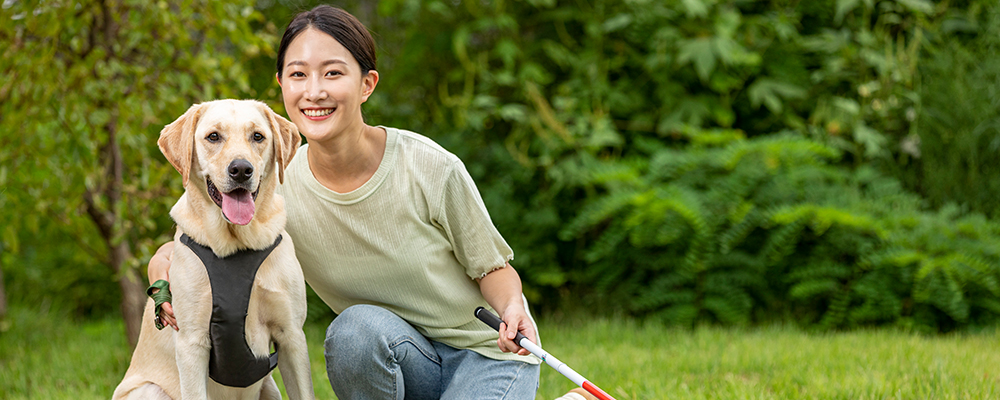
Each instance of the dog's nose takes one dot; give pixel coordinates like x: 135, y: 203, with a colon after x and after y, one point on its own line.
x: 240, y: 170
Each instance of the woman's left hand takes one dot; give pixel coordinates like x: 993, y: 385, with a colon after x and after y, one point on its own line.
x: 518, y: 322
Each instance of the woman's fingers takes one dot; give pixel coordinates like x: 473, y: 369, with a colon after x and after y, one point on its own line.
x: 506, y: 341
x: 167, y: 315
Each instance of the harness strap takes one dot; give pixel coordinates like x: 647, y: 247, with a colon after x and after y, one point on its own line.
x: 231, y: 361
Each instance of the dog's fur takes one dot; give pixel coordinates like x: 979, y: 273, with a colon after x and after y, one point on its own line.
x: 174, y: 365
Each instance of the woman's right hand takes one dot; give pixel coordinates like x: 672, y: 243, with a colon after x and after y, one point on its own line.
x: 159, y: 268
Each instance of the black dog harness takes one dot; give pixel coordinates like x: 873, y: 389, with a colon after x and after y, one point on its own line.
x: 231, y: 362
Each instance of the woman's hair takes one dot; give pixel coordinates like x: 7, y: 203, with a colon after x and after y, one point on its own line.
x: 337, y: 23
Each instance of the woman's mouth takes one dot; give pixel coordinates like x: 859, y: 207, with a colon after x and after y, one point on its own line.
x: 317, y: 113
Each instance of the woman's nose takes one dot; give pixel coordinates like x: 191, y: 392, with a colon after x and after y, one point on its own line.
x: 314, y: 91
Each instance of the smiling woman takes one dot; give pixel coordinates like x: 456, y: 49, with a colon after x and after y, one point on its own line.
x: 323, y: 88
x: 418, y: 258
x: 392, y: 234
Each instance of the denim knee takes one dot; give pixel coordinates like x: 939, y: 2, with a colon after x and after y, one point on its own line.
x: 358, y: 329
x: 368, y: 352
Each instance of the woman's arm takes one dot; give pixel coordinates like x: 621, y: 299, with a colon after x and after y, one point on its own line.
x: 159, y: 268
x: 502, y: 290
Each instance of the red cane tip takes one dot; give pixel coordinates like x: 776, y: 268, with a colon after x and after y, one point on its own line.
x: 596, y: 391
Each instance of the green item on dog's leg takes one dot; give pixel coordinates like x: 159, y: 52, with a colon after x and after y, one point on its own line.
x: 160, y: 297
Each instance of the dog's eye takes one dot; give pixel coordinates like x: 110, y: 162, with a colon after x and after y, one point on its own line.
x: 257, y: 137
x: 213, y: 137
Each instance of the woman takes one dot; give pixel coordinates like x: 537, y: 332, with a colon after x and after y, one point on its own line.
x: 392, y: 234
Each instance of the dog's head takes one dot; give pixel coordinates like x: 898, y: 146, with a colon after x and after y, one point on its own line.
x: 232, y: 145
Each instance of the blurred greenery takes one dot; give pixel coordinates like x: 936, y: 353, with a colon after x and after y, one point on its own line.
x: 88, y: 86
x: 829, y: 163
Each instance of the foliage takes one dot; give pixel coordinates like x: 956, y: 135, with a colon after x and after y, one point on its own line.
x: 729, y: 161
x: 959, y: 118
x: 750, y: 229
x: 88, y: 87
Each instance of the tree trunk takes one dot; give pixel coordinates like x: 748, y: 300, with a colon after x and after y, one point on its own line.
x: 109, y: 186
x: 131, y: 283
x: 133, y: 287
x: 3, y: 291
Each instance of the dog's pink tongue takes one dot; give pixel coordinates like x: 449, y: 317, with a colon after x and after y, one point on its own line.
x: 238, y: 206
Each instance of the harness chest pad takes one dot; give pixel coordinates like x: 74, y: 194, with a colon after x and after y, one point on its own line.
x: 231, y: 362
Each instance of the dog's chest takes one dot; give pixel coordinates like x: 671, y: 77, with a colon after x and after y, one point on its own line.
x: 231, y: 362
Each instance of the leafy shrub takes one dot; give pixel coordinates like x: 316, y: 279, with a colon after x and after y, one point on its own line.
x: 702, y: 160
x: 739, y: 231
x: 728, y: 161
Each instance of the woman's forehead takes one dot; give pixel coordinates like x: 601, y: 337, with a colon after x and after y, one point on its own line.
x: 313, y: 47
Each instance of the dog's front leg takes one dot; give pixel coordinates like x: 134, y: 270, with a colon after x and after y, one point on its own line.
x: 192, y: 353
x: 293, y: 362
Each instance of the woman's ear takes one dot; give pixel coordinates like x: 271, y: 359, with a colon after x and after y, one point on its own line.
x: 368, y: 84
x: 277, y: 77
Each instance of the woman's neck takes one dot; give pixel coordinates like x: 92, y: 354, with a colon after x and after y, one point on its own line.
x: 344, y: 163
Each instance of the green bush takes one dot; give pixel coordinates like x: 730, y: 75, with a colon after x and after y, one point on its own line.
x: 750, y: 229
x: 731, y: 161
x: 728, y: 161
x: 959, y: 118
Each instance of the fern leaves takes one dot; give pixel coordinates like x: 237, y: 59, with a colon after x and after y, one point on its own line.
x: 734, y: 229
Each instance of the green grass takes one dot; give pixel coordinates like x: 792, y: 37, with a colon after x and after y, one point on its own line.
x: 47, y: 356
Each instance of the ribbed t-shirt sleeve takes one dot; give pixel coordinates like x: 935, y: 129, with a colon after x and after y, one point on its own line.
x: 462, y: 215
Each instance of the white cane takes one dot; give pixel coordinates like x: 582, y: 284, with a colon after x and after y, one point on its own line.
x: 492, y: 320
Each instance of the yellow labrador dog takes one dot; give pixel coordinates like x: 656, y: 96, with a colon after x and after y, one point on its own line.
x: 230, y: 312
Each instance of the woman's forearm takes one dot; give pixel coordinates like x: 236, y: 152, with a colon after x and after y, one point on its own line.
x: 502, y: 288
x: 159, y: 264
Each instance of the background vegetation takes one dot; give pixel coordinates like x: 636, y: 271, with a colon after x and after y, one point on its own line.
x: 829, y: 163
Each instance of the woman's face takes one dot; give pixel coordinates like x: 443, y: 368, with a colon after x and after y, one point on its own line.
x: 323, y: 87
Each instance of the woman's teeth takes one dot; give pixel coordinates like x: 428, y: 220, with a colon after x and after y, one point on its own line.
x: 317, y: 113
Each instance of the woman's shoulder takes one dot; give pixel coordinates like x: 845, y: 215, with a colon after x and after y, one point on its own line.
x: 417, y: 148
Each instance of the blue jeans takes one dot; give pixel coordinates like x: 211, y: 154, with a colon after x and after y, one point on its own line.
x: 373, y: 354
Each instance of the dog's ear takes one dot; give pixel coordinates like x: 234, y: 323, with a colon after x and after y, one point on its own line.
x: 286, y: 141
x: 177, y: 140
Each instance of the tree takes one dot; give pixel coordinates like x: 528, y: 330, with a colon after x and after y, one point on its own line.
x: 88, y: 87
x: 3, y: 292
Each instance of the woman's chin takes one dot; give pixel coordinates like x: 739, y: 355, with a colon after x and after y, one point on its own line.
x: 315, y: 131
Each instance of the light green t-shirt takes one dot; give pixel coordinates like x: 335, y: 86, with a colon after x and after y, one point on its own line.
x: 411, y: 239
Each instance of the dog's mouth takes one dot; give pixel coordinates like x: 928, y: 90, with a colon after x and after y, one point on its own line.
x: 237, y: 205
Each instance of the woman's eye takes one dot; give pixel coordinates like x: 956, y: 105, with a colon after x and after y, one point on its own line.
x: 296, y: 74
x: 257, y: 137
x: 333, y: 73
x: 213, y: 137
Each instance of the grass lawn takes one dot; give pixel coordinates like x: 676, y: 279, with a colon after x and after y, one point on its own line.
x: 49, y: 357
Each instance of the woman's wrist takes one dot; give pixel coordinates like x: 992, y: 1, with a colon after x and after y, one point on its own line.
x: 514, y: 305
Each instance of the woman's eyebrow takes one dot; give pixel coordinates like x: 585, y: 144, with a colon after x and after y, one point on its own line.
x: 324, y: 63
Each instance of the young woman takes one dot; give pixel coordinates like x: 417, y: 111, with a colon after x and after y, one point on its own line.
x: 392, y: 234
